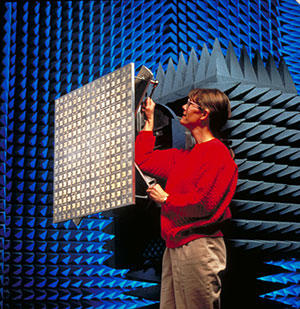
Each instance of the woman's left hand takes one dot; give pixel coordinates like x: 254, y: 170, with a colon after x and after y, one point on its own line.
x: 157, y: 193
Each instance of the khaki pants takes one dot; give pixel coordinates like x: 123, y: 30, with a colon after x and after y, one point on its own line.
x: 190, y: 275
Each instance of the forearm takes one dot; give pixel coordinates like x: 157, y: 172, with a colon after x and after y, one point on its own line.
x: 155, y: 162
x: 148, y: 109
x: 188, y: 204
x: 149, y: 125
x: 207, y: 200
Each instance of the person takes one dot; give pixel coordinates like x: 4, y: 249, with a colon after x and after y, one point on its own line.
x: 195, y: 202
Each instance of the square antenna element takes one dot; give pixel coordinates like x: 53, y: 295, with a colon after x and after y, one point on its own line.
x: 94, y: 147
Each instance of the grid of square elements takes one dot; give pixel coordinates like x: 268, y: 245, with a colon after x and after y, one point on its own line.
x: 94, y: 147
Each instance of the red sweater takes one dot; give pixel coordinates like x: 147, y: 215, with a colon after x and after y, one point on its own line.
x: 200, y: 183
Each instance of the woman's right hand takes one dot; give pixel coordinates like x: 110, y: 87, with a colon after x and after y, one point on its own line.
x: 148, y: 108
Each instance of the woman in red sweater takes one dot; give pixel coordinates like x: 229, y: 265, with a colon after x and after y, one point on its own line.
x: 200, y: 185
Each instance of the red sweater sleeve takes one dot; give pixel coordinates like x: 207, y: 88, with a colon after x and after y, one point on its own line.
x: 208, y: 197
x: 155, y: 162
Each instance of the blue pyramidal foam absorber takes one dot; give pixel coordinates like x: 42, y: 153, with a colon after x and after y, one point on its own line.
x: 51, y: 48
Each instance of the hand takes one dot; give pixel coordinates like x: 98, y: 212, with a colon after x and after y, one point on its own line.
x: 148, y: 108
x: 157, y: 194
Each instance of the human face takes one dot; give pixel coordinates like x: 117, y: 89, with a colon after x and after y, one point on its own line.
x: 191, y: 114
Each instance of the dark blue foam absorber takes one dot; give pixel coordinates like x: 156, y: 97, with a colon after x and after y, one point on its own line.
x: 51, y: 48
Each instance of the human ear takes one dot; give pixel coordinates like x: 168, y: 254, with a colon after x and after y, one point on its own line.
x: 204, y: 114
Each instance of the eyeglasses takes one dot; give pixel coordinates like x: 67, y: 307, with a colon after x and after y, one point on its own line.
x: 189, y: 102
